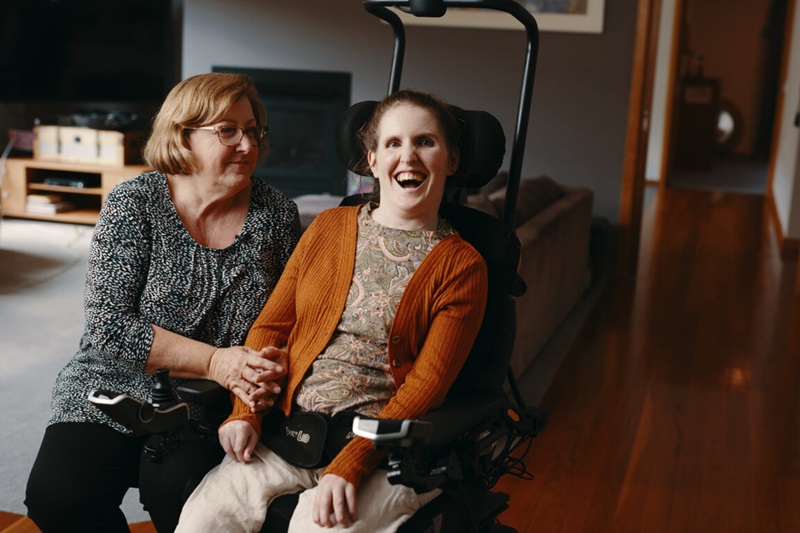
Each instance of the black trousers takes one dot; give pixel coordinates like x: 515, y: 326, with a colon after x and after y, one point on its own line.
x: 83, y: 471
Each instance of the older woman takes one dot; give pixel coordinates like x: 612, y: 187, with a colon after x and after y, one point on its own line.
x: 181, y: 262
x: 379, y: 305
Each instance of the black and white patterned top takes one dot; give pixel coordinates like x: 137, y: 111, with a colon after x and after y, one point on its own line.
x: 145, y: 268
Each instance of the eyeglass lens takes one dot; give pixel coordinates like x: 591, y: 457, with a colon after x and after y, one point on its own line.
x: 232, y: 135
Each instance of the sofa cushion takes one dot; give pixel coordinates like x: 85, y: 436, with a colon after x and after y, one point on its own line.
x: 534, y: 195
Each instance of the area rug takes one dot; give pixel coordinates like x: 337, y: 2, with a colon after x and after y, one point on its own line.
x: 42, y: 271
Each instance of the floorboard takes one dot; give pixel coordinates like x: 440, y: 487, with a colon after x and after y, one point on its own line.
x: 677, y: 408
x: 14, y: 523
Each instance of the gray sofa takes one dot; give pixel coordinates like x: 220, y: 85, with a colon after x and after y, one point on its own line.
x: 553, y: 223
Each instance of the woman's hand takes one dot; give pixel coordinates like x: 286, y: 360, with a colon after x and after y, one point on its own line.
x: 334, y: 502
x: 270, y: 383
x: 238, y: 439
x: 252, y: 376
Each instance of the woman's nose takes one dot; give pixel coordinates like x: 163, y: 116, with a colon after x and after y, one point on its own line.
x: 408, y: 154
x: 246, y: 142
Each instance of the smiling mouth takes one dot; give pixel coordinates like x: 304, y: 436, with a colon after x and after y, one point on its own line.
x: 410, y: 180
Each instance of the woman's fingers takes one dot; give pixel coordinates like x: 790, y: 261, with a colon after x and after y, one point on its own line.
x: 243, y: 395
x: 334, y: 502
x: 272, y: 363
x: 255, y: 377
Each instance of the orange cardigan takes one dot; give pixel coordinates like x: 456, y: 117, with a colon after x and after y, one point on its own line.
x: 434, y: 327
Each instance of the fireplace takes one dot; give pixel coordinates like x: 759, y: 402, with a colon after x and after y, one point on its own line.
x: 303, y: 109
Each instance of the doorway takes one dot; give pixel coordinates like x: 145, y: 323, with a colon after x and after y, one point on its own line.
x: 650, y: 127
x: 728, y: 59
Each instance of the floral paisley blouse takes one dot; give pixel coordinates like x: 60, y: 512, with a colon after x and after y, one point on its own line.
x: 353, y: 372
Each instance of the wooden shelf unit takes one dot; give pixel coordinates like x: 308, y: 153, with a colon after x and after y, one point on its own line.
x: 27, y: 176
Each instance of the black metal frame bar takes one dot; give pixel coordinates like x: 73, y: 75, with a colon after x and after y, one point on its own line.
x: 380, y: 8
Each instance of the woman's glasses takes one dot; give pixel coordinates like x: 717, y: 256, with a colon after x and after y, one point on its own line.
x: 232, y: 135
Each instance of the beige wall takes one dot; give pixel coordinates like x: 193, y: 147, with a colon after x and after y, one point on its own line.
x: 580, y: 98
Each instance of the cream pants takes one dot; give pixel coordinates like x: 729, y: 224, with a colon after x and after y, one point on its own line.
x: 234, y: 497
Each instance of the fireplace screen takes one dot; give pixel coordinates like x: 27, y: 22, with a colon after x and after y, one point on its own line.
x: 303, y: 109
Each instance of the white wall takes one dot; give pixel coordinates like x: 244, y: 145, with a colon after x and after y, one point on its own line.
x: 658, y: 108
x: 785, y: 182
x: 580, y: 102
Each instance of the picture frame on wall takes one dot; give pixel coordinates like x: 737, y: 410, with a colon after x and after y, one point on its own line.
x: 578, y: 16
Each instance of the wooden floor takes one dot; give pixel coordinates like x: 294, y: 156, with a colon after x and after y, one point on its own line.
x: 14, y: 523
x: 678, y: 407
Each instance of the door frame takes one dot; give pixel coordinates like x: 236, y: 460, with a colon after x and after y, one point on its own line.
x: 640, y: 102
x: 648, y: 13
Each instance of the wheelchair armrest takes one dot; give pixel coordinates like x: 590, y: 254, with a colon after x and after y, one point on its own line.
x: 435, y: 429
x: 141, y: 417
x: 461, y: 415
x: 202, y: 392
x: 442, y: 445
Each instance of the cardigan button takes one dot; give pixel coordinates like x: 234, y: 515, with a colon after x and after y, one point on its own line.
x: 396, y: 363
x: 396, y: 339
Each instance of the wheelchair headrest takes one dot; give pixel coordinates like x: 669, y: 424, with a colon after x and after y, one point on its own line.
x: 482, y: 146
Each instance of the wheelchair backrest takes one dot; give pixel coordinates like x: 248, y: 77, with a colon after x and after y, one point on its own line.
x: 482, y: 149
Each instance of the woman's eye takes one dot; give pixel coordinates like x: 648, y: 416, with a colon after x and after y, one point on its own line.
x: 228, y: 131
x: 392, y: 144
x: 254, y: 132
x: 425, y: 141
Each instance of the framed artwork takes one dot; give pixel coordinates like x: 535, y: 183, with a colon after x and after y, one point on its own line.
x: 580, y: 16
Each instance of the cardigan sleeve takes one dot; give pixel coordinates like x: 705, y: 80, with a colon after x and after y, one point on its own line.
x: 458, y: 315
x: 271, y: 328
x: 277, y: 324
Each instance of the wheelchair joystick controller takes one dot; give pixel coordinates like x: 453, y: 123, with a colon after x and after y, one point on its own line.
x: 162, y: 395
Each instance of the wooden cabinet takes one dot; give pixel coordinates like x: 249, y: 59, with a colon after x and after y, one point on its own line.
x: 698, y: 114
x: 83, y: 185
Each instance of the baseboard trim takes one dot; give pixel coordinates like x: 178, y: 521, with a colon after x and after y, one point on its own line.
x: 789, y: 247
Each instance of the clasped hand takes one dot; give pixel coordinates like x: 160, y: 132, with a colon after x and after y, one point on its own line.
x: 255, y: 377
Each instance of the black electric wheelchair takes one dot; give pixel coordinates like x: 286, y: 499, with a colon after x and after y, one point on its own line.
x: 465, y: 446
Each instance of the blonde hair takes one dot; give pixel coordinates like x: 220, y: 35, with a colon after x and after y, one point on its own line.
x: 197, y: 101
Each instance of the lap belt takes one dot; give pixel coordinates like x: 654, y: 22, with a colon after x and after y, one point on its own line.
x: 307, y: 439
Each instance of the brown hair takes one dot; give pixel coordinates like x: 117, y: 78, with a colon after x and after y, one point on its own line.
x: 197, y: 101
x: 368, y: 134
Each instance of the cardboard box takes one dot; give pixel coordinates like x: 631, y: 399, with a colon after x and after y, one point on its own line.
x: 117, y: 148
x: 87, y: 145
x: 78, y: 145
x: 45, y: 143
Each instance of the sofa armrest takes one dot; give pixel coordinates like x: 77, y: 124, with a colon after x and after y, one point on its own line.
x: 554, y: 262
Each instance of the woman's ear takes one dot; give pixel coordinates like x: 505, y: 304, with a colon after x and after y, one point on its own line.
x: 454, y: 160
x: 371, y: 161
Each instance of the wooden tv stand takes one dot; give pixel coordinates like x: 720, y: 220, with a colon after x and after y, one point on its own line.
x: 27, y: 176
